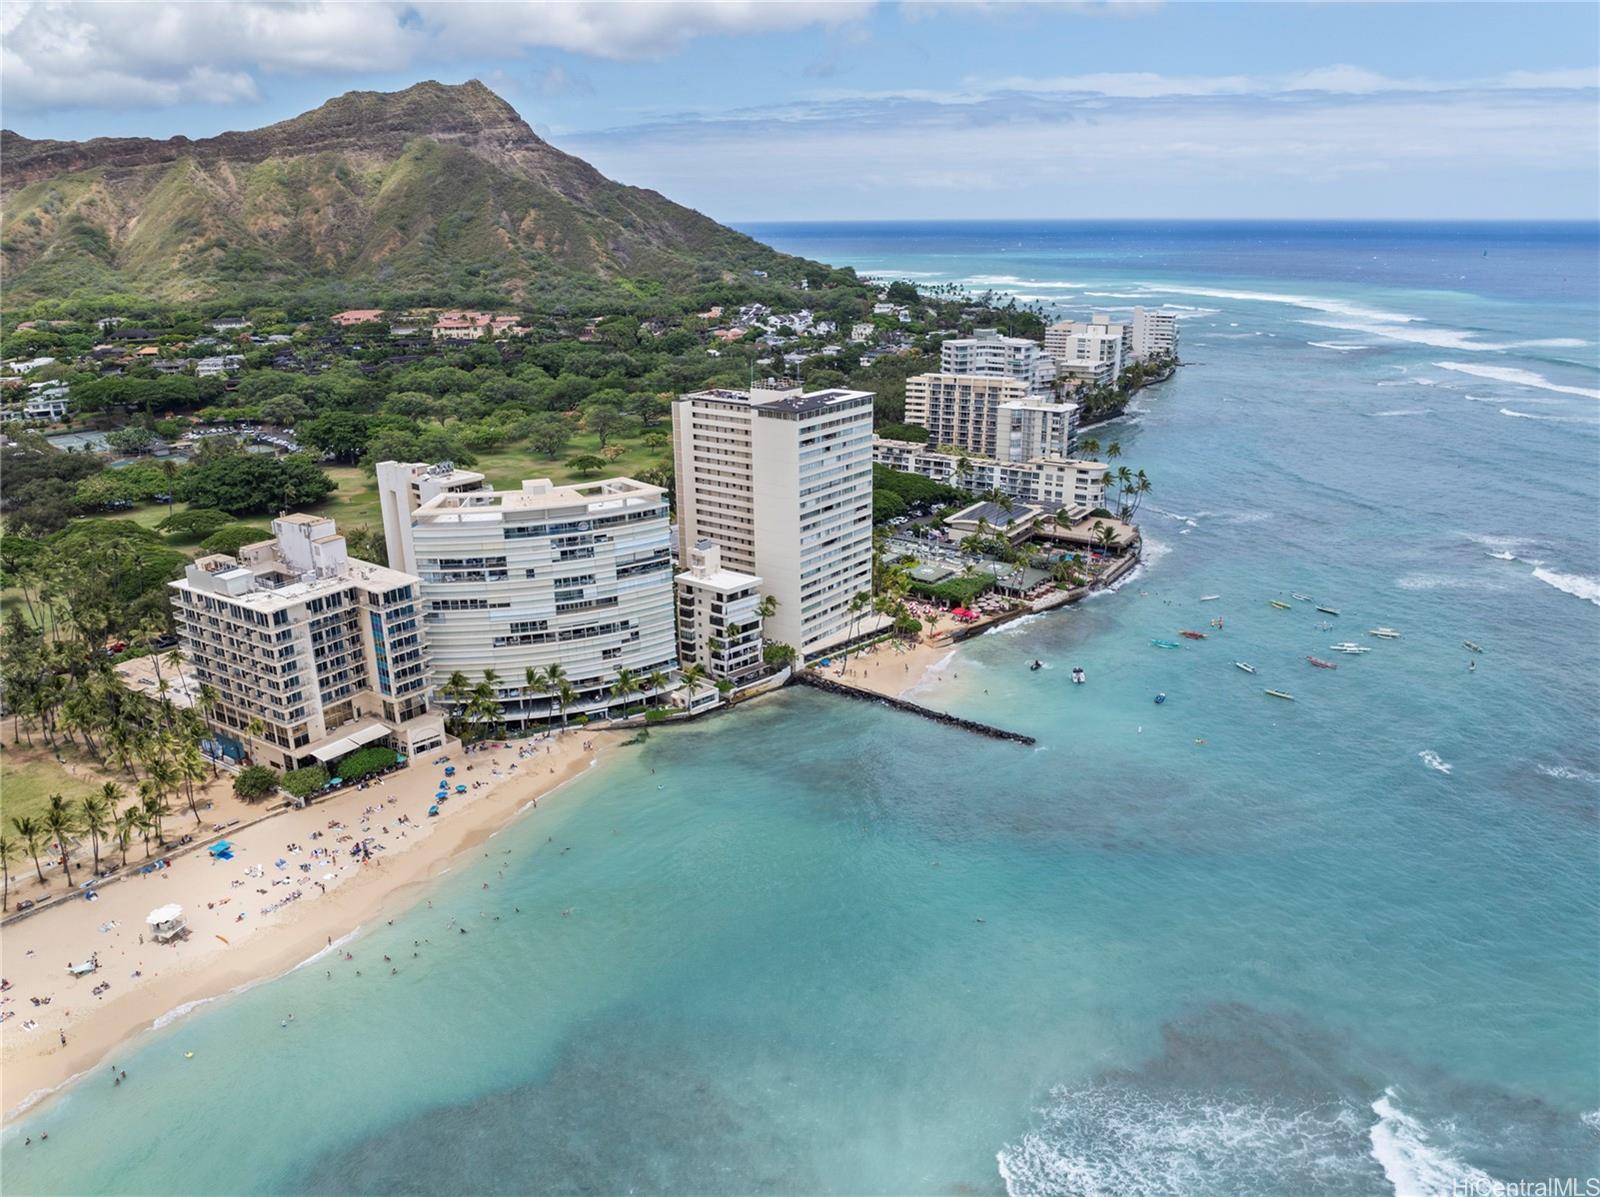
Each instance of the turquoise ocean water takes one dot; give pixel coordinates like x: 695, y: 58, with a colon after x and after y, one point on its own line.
x: 1349, y: 945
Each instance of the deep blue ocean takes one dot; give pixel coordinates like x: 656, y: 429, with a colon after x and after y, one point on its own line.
x: 1226, y: 945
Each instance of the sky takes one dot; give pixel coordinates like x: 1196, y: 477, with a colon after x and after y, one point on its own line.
x: 856, y: 110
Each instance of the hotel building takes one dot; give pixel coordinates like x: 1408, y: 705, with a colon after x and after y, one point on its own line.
x: 320, y: 652
x: 578, y: 576
x: 719, y: 626
x: 781, y: 480
x: 1097, y: 342
x: 992, y: 417
x: 1154, y: 334
x: 987, y: 354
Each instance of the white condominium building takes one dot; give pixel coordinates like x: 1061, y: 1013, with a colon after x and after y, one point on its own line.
x: 577, y: 576
x: 405, y: 486
x: 1054, y: 481
x: 318, y: 652
x: 1098, y: 341
x: 988, y: 354
x: 781, y: 480
x: 992, y: 417
x: 1154, y: 334
x: 719, y: 626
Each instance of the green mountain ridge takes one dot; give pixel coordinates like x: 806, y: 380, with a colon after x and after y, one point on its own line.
x: 437, y: 188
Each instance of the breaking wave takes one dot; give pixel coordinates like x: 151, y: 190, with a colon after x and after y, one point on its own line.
x: 1567, y: 773
x: 1517, y: 377
x: 1432, y: 759
x: 1316, y: 303
x: 1406, y: 411
x: 1578, y: 585
x: 1413, y: 1164
x: 1528, y: 415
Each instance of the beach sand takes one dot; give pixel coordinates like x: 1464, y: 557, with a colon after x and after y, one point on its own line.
x: 224, y: 952
x: 892, y: 668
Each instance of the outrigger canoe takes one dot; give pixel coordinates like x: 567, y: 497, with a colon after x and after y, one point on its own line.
x: 1280, y: 606
x: 1281, y: 694
x: 1321, y: 664
x: 1477, y: 648
x: 1166, y: 644
x: 1193, y: 635
x: 1328, y: 610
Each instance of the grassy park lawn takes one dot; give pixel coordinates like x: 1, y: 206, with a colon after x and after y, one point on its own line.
x: 28, y: 776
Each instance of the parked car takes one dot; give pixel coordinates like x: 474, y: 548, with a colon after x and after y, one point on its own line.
x: 25, y: 904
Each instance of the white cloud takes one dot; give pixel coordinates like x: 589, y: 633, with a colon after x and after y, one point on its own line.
x: 65, y: 54
x: 1340, y: 78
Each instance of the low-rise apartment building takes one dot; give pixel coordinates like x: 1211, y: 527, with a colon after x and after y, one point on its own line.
x: 1052, y: 481
x: 719, y: 621
x: 312, y: 653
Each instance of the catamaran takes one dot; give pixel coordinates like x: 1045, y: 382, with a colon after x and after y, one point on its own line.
x: 1280, y: 606
x: 1349, y: 646
x: 1304, y: 598
x: 1281, y: 694
x: 1384, y: 633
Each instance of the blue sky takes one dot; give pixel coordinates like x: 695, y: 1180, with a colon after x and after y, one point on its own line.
x: 860, y: 110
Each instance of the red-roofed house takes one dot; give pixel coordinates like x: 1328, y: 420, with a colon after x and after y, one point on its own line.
x: 357, y: 316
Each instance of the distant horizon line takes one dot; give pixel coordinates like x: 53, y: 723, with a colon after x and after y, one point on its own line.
x: 1582, y: 221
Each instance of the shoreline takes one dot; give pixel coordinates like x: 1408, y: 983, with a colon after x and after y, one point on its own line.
x: 174, y: 980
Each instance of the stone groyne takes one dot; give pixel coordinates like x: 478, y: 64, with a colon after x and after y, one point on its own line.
x: 828, y: 685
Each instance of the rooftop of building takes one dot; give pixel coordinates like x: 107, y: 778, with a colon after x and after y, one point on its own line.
x: 539, y: 494
x: 780, y: 394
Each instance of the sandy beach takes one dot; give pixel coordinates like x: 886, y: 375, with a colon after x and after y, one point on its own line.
x: 894, y: 667
x: 256, y: 915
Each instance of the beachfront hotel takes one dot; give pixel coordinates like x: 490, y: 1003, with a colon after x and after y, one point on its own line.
x: 1155, y: 334
x: 578, y: 576
x: 781, y: 481
x: 1098, y: 343
x: 312, y: 653
x: 1054, y: 482
x: 987, y: 354
x: 719, y: 624
x: 996, y: 417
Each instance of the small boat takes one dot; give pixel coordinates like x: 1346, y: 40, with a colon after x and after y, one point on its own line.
x: 1193, y: 635
x: 1349, y: 647
x: 1477, y: 648
x: 1244, y: 665
x: 1384, y: 633
x: 1281, y: 694
x: 1077, y: 676
x: 1037, y: 665
x: 1280, y: 606
x: 1321, y: 664
x: 1161, y: 698
x: 1166, y: 644
x: 1304, y: 598
x: 1209, y: 598
x: 1329, y: 610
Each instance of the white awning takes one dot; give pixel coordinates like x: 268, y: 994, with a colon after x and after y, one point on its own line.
x: 349, y: 742
x: 336, y: 749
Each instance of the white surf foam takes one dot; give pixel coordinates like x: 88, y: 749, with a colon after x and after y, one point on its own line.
x: 1517, y: 377
x: 1432, y: 759
x: 1100, y: 1141
x: 1017, y: 626
x: 1578, y: 585
x: 1528, y: 415
x: 1433, y: 336
x: 1502, y: 556
x: 1406, y: 411
x: 1567, y: 773
x: 1342, y: 346
x: 1413, y: 1163
x: 1316, y: 303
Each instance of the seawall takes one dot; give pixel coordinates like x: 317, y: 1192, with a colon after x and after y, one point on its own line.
x: 818, y: 682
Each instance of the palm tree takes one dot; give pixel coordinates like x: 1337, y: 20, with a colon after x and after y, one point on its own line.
x: 60, y: 822
x: 1089, y: 447
x: 767, y: 607
x: 455, y: 692
x: 1106, y: 535
x: 95, y: 816
x: 122, y: 828
x: 31, y: 835
x: 152, y: 806
x: 10, y: 849
x: 627, y: 683
x: 693, y: 678
x: 1113, y: 450
x: 658, y: 683
x: 191, y: 767
x: 565, y: 696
